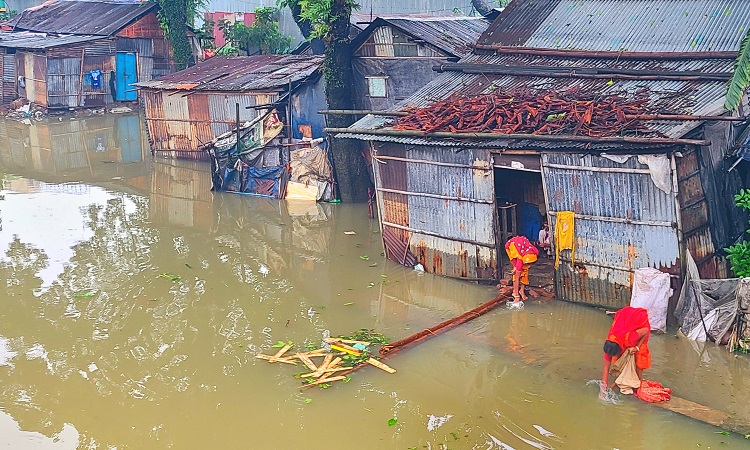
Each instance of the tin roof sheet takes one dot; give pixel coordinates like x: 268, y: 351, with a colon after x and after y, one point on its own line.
x: 82, y: 17
x: 678, y: 97
x: 240, y: 73
x: 39, y: 41
x: 452, y: 34
x: 622, y: 25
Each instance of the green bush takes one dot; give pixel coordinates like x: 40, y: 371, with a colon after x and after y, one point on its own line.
x: 739, y: 254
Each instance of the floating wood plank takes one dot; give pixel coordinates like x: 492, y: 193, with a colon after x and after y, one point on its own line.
x: 318, y: 352
x: 346, y: 349
x: 306, y: 361
x: 272, y: 359
x: 334, y: 363
x: 324, y: 380
x: 381, y: 365
x: 346, y: 341
x: 324, y: 365
x: 283, y: 350
x: 322, y: 372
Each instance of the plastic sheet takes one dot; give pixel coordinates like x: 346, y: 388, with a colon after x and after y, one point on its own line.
x: 707, y: 309
x: 651, y: 291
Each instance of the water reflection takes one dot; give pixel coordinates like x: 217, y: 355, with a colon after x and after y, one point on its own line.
x: 136, y: 300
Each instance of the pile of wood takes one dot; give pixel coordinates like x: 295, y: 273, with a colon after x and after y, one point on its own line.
x: 572, y: 112
x: 334, y: 361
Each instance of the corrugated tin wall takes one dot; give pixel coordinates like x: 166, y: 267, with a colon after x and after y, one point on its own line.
x: 623, y: 222
x: 441, y: 203
x: 178, y: 122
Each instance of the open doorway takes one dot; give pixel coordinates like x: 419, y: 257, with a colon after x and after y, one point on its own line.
x: 522, y: 210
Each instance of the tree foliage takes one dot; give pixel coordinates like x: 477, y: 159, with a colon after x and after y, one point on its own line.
x: 263, y: 36
x: 739, y: 254
x: 329, y: 20
x: 174, y: 17
x: 740, y: 80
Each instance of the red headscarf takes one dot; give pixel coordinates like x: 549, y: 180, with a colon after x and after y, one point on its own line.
x: 627, y: 320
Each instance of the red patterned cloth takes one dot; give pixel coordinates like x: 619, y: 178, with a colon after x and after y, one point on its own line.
x: 520, y: 251
x: 653, y: 392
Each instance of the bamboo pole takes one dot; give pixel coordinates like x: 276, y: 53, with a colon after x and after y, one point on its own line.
x: 362, y: 112
x: 437, y: 196
x: 380, y: 159
x: 431, y: 233
x: 515, y: 137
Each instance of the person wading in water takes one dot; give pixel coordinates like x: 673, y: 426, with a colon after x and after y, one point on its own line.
x: 629, y: 333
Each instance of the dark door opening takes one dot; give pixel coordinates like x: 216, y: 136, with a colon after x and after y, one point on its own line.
x: 522, y: 210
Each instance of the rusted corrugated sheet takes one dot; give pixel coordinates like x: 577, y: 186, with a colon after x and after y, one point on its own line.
x: 623, y: 222
x: 39, y: 41
x: 444, y: 211
x: 200, y: 116
x: 684, y: 97
x: 450, y: 36
x: 617, y: 25
x: 241, y: 73
x: 102, y: 18
x: 63, y: 81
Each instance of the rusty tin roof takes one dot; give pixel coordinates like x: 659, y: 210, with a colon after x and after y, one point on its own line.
x: 240, y: 73
x: 622, y: 25
x: 39, y: 41
x: 452, y: 34
x: 92, y: 17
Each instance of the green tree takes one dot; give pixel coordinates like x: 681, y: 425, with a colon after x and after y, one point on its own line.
x: 739, y: 254
x: 263, y: 36
x: 174, y: 17
x: 329, y: 20
x: 740, y: 80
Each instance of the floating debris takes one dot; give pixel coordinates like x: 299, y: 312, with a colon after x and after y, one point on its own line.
x: 339, y: 354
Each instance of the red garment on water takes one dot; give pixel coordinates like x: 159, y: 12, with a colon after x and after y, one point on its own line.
x: 653, y: 392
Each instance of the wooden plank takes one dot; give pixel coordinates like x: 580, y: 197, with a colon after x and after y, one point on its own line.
x: 322, y: 372
x: 272, y: 359
x: 346, y: 349
x: 324, y: 365
x: 381, y: 365
x: 302, y: 357
x: 334, y: 363
x: 325, y: 380
x: 346, y: 341
x: 283, y: 350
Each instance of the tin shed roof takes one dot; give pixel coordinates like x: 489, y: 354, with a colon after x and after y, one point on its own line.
x: 39, y: 41
x: 452, y: 34
x: 82, y: 17
x: 694, y: 97
x: 622, y: 25
x: 240, y: 73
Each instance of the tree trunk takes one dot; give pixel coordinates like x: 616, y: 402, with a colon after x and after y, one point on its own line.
x: 351, y: 169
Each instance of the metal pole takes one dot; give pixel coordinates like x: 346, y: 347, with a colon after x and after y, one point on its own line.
x: 238, y: 126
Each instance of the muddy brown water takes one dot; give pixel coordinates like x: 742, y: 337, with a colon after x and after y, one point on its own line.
x: 101, y: 346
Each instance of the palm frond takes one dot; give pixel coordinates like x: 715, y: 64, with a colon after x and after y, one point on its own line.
x: 740, y: 78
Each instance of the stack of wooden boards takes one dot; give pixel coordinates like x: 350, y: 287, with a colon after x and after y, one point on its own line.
x: 328, y: 370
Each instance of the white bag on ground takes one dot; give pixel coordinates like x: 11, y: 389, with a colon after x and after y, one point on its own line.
x: 651, y: 291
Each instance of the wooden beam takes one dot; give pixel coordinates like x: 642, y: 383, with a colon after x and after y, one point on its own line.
x: 505, y: 49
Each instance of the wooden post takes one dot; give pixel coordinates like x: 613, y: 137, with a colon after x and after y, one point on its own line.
x: 238, y: 127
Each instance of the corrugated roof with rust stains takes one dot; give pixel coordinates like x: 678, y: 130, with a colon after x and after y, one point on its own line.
x: 622, y: 25
x: 680, y: 97
x: 31, y: 40
x: 452, y: 34
x: 240, y: 73
x: 94, y: 17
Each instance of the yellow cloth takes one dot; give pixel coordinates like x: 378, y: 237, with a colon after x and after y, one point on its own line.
x: 513, y: 253
x: 564, y: 236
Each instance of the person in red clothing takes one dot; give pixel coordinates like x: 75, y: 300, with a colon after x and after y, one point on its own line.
x: 629, y: 332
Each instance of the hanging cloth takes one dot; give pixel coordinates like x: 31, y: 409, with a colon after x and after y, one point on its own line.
x: 96, y: 79
x: 564, y: 236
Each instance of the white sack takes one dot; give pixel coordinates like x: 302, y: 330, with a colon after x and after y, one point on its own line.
x: 651, y: 291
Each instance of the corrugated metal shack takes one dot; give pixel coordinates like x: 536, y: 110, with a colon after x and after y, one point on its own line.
x: 190, y: 108
x: 77, y: 53
x: 445, y: 198
x: 394, y: 55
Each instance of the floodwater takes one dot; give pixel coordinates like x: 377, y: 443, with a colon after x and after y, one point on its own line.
x: 135, y: 300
